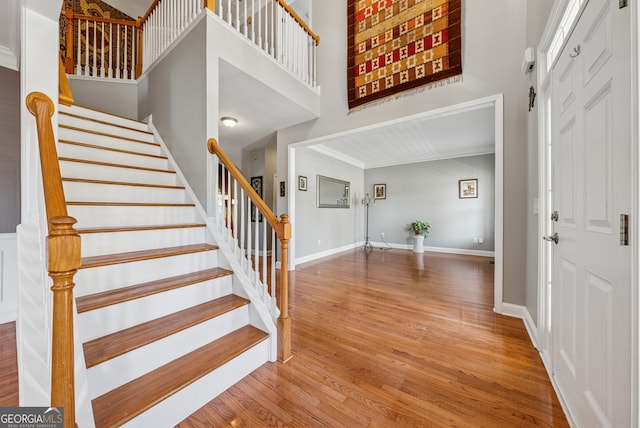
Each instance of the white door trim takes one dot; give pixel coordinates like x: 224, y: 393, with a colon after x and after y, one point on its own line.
x: 497, y: 101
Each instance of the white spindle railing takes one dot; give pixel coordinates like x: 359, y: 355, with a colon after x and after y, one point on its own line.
x: 121, y: 49
x: 163, y: 24
x: 277, y: 30
x: 104, y: 48
x: 246, y: 230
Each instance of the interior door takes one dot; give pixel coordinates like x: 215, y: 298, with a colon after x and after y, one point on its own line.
x: 591, y: 167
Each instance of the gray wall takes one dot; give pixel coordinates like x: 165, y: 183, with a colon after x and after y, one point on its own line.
x: 174, y: 92
x: 428, y: 191
x: 324, y: 229
x: 494, y: 41
x: 111, y: 96
x: 10, y: 149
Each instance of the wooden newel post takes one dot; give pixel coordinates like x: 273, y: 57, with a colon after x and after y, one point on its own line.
x: 64, y: 261
x: 68, y: 60
x: 139, y: 50
x: 284, y: 321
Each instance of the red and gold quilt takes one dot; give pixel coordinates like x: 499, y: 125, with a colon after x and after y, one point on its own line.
x: 396, y: 45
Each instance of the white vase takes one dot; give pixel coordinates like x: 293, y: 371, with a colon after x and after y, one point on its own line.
x: 418, y: 243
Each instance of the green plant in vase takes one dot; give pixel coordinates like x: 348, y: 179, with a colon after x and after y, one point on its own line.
x: 420, y: 227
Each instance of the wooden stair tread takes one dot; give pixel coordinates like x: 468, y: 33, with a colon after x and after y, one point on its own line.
x: 104, y: 134
x: 112, y: 297
x: 108, y: 123
x: 111, y: 149
x: 131, y: 399
x: 115, y: 165
x: 120, y: 183
x: 132, y: 256
x: 112, y: 345
x: 138, y: 228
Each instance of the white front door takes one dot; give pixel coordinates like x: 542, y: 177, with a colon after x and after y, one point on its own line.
x: 591, y: 167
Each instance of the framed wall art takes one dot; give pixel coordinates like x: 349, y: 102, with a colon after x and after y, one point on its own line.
x: 380, y: 191
x: 468, y: 188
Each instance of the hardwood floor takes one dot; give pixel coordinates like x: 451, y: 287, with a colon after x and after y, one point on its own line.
x: 394, y: 339
x: 8, y: 366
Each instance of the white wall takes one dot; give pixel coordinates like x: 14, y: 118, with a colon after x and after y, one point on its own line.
x: 428, y: 191
x: 494, y: 40
x: 108, y: 95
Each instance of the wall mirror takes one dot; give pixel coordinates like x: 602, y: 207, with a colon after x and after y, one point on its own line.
x: 332, y: 193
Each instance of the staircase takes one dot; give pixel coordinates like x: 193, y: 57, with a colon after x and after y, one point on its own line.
x: 162, y: 321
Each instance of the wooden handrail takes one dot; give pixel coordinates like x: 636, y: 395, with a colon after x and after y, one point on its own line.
x: 300, y: 22
x: 146, y: 15
x: 64, y: 92
x: 282, y: 228
x: 105, y: 20
x: 63, y: 260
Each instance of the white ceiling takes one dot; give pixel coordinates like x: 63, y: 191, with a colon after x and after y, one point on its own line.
x: 415, y: 139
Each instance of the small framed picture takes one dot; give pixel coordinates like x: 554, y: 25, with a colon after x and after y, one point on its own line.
x: 379, y: 191
x: 468, y: 188
x: 302, y: 183
x: 282, y: 187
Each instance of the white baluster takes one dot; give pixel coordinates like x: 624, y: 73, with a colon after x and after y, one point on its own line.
x: 79, y: 50
x: 259, y: 24
x: 125, y: 58
x: 264, y: 253
x: 234, y: 203
x: 242, y: 224
x: 110, y: 69
x: 249, y: 206
x: 134, y: 53
x: 256, y: 246
x: 253, y: 21
x: 244, y: 21
x: 238, y: 16
x: 229, y: 207
x: 102, y: 51
x: 279, y: 28
x: 95, y: 50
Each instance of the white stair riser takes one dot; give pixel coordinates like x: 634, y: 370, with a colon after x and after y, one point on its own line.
x: 107, y: 320
x: 99, y: 155
x: 96, y: 192
x: 79, y: 136
x: 177, y: 407
x: 94, y: 114
x: 111, y: 173
x: 112, y: 216
x: 95, y: 244
x: 120, y: 370
x: 103, y: 278
x: 77, y: 122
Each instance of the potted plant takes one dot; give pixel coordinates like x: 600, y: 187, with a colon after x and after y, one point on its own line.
x: 420, y: 227
x: 421, y: 230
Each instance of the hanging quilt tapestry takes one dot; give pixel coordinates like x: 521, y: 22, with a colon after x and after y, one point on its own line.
x: 397, y: 45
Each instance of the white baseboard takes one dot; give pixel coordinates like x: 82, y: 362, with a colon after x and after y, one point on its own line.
x: 327, y: 253
x: 519, y: 311
x: 8, y: 277
x: 464, y: 251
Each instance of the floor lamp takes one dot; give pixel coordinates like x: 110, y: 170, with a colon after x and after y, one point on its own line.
x: 366, y: 201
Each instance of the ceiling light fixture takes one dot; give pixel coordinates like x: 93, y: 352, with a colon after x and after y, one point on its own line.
x: 229, y: 121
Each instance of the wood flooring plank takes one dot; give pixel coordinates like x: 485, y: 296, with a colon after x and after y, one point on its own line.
x: 9, y: 396
x: 400, y: 340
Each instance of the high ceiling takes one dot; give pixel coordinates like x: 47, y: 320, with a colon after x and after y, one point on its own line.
x: 261, y: 111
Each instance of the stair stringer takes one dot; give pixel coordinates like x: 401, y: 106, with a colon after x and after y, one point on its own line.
x: 260, y: 314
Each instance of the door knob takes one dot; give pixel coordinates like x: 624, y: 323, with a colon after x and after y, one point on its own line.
x: 553, y: 238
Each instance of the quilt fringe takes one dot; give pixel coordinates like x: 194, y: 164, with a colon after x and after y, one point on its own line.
x: 409, y: 92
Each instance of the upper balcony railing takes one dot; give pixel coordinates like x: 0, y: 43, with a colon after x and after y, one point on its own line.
x: 121, y: 49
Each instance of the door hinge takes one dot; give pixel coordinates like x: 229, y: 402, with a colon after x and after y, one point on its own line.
x: 622, y: 4
x: 624, y: 229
